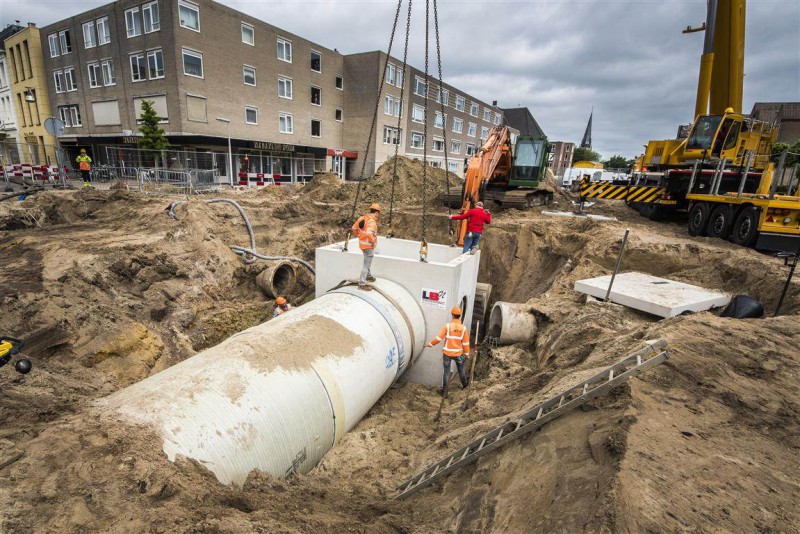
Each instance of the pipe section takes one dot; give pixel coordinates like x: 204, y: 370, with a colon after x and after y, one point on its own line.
x: 278, y: 279
x: 278, y: 396
x: 512, y: 323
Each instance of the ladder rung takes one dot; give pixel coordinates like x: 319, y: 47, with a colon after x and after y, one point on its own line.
x: 466, y: 452
x: 435, y: 470
x: 610, y: 375
x: 585, y: 388
x: 561, y: 401
x: 499, y: 435
x: 483, y: 442
x: 410, y: 483
x: 638, y: 360
x: 450, y: 462
x: 519, y: 424
x: 538, y: 415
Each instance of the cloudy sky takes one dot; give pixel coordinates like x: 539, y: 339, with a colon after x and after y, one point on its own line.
x: 628, y: 59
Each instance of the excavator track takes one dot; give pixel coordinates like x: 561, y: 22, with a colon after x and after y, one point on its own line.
x: 515, y: 198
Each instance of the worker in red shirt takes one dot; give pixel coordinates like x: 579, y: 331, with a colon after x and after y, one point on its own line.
x: 476, y: 218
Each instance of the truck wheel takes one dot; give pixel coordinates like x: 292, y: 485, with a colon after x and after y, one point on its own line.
x: 745, y: 229
x: 698, y: 219
x: 721, y: 222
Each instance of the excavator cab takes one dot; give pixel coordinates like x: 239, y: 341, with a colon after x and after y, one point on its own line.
x: 529, y: 161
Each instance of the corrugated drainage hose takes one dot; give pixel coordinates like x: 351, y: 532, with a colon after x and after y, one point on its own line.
x: 249, y: 255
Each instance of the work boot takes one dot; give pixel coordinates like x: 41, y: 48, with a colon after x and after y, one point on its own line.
x: 370, y: 278
x: 472, y: 251
x: 465, y: 386
x: 440, y: 391
x: 364, y: 287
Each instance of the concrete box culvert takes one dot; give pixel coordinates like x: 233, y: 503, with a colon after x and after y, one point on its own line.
x: 512, y: 323
x: 278, y: 279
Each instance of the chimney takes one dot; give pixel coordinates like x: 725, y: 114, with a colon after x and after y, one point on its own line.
x: 31, y: 24
x: 494, y: 103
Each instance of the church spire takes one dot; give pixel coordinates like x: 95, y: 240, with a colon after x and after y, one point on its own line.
x: 587, y: 135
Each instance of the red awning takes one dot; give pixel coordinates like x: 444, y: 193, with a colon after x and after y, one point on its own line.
x: 341, y: 152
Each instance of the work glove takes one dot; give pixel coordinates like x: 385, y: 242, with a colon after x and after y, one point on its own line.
x: 450, y: 217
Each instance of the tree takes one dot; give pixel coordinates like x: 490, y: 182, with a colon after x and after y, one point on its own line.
x: 792, y: 158
x: 153, y: 137
x: 616, y: 162
x: 585, y: 154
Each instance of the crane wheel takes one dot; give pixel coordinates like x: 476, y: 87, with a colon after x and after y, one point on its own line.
x: 720, y: 223
x: 745, y: 229
x: 698, y: 219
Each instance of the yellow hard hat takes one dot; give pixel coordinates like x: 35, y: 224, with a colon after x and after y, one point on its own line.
x: 728, y: 111
x: 280, y: 301
x: 456, y: 311
x: 375, y: 206
x: 83, y: 151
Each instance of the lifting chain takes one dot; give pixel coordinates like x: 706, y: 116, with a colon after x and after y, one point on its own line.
x: 399, y: 117
x: 444, y: 119
x: 374, y: 122
x: 423, y: 247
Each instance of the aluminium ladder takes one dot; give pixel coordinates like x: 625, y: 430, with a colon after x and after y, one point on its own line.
x: 539, y: 415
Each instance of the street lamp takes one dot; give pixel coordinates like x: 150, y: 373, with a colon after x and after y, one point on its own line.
x: 230, y: 152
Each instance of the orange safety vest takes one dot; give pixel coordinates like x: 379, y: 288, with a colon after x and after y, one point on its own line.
x: 455, y: 337
x: 84, y: 162
x: 368, y: 235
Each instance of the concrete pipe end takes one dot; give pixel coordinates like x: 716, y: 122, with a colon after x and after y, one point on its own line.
x: 512, y: 323
x: 278, y: 279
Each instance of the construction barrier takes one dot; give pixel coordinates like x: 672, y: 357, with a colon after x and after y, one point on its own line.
x: 630, y: 193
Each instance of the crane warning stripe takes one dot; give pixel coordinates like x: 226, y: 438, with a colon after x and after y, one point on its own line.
x: 621, y: 192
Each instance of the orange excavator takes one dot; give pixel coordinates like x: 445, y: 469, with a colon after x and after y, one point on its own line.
x: 506, y: 172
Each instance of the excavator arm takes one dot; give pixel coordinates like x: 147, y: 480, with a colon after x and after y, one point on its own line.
x: 493, y: 159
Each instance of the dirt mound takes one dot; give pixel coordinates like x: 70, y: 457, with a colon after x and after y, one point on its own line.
x: 408, y: 184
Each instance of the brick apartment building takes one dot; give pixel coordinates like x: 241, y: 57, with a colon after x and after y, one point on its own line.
x: 290, y: 103
x: 561, y: 157
x: 785, y: 116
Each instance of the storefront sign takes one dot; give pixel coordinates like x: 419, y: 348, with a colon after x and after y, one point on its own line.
x: 130, y: 140
x: 275, y: 147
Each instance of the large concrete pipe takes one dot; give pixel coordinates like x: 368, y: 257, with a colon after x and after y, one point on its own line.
x: 278, y: 279
x: 512, y: 323
x: 278, y: 396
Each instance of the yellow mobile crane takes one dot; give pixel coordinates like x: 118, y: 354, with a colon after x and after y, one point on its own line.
x: 720, y: 170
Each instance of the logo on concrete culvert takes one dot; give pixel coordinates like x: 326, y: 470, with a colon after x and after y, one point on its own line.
x: 434, y: 298
x: 390, y: 357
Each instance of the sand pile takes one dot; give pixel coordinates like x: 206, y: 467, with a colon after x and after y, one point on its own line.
x: 107, y: 289
x: 408, y: 187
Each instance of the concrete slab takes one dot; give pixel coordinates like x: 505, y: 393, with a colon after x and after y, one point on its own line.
x: 447, y: 279
x: 578, y: 215
x: 651, y: 294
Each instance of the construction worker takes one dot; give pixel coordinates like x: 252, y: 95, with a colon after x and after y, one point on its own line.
x: 476, y: 218
x: 455, y: 348
x: 85, y: 166
x: 281, y: 307
x: 366, y: 229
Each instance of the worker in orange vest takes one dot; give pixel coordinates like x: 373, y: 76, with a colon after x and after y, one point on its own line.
x: 366, y: 229
x: 455, y: 348
x: 85, y: 166
x: 281, y: 307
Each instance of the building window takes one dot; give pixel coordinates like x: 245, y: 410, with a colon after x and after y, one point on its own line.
x: 472, y: 129
x: 109, y: 76
x: 440, y: 121
x: 89, y: 39
x: 392, y: 105
x: 486, y: 114
x: 152, y: 19
x: 58, y: 78
x: 53, y: 40
x: 316, y: 96
x: 391, y: 136
x: 103, y: 31
x: 94, y: 75
x: 70, y: 83
x: 316, y: 128
x: 452, y: 166
x: 138, y: 68
x: 248, y: 34
x: 436, y: 164
x: 455, y: 146
x: 484, y: 133
x: 339, y: 81
x: 316, y: 61
x: 66, y: 43
x: 458, y: 125
x: 249, y: 74
x: 285, y: 123
x: 443, y: 96
x: 473, y: 109
x: 419, y: 86
x: 417, y: 140
x: 251, y: 115
x: 470, y: 149
x: 438, y: 144
x: 390, y: 73
x: 155, y: 64
x: 192, y: 63
x: 418, y: 113
x: 338, y: 115
x: 133, y: 22
x: 189, y: 15
x: 497, y: 119
x: 398, y: 77
x: 284, y: 50
x: 460, y: 103
x: 71, y: 115
x: 285, y: 88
